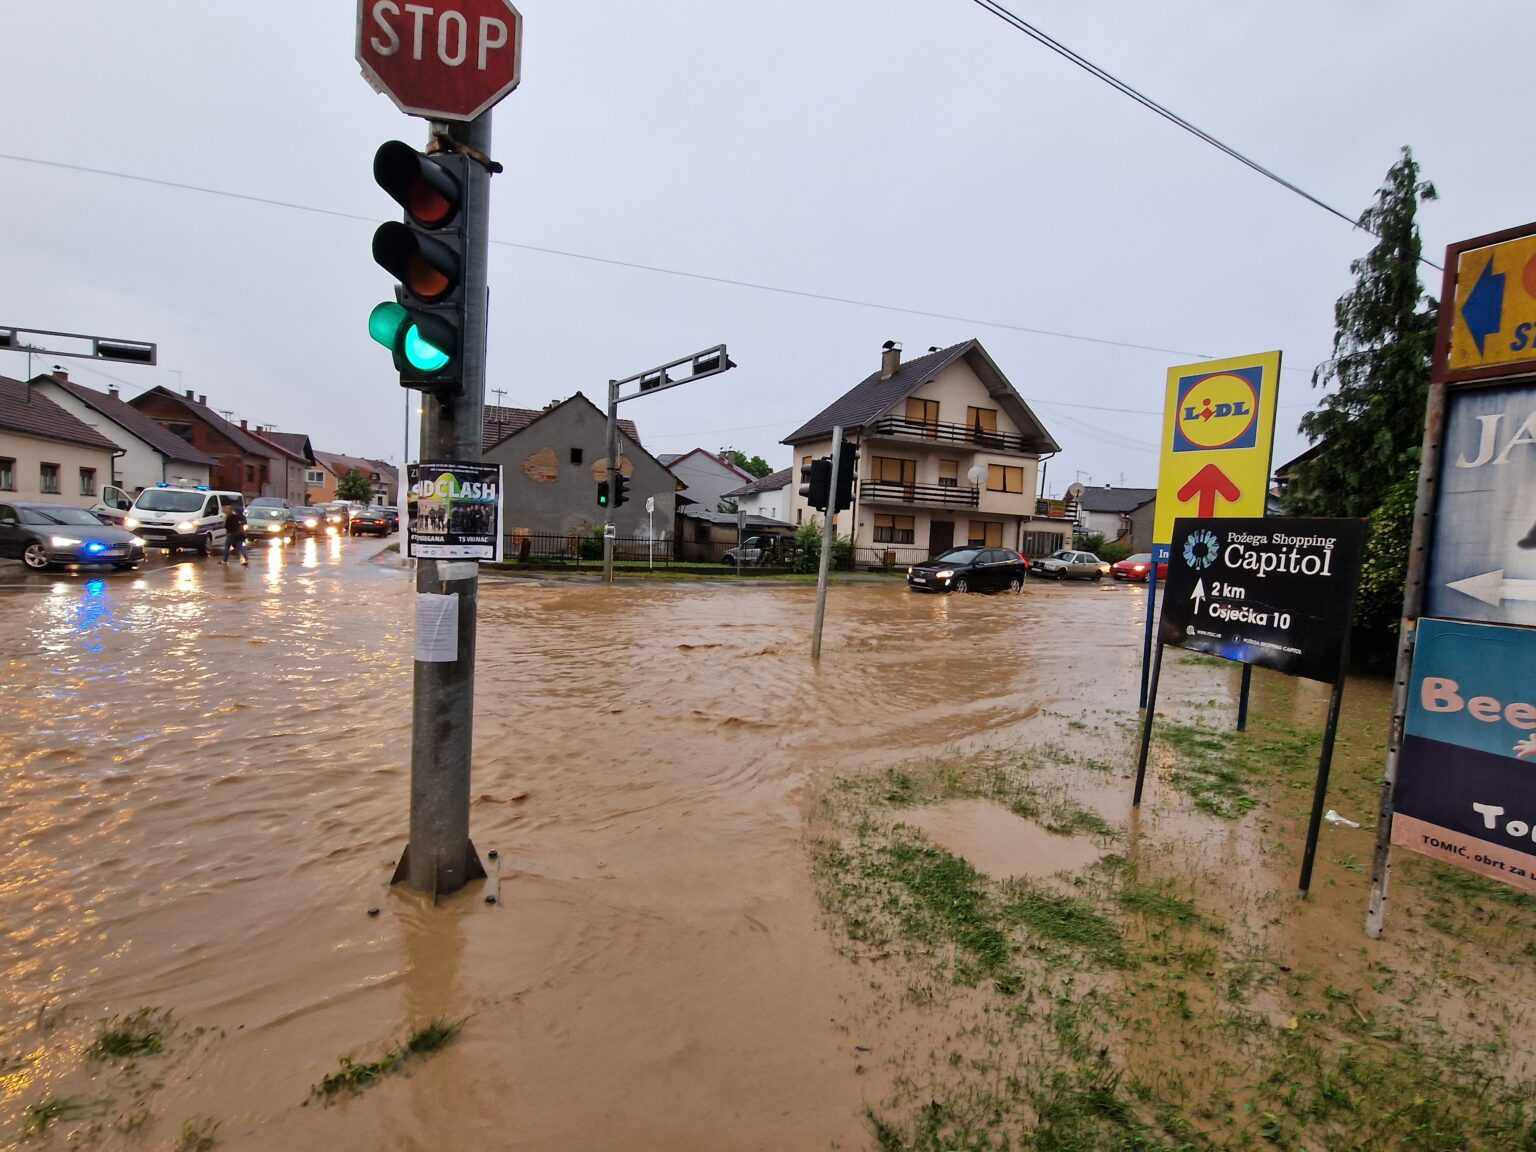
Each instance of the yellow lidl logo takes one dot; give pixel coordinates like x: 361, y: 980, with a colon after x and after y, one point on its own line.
x: 1218, y: 410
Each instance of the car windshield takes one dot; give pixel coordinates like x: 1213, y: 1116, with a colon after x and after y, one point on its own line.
x: 1139, y: 558
x: 267, y: 511
x: 959, y: 556
x: 1062, y: 555
x: 168, y: 500
x: 267, y: 502
x: 57, y: 516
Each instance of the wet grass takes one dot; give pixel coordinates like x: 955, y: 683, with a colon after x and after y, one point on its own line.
x: 199, y: 1134
x: 354, y: 1076
x: 37, y: 1118
x: 141, y: 1033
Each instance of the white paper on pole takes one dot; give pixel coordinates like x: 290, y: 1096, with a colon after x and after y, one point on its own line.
x: 460, y: 570
x: 437, y: 628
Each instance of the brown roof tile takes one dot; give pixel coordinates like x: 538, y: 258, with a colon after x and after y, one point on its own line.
x: 26, y: 410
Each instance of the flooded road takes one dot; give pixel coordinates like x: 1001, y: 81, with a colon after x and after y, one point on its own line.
x: 203, y: 790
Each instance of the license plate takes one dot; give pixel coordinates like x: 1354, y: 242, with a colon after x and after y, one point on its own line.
x: 919, y: 579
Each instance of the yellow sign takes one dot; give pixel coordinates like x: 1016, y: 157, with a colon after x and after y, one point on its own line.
x: 1218, y: 431
x: 1494, y: 320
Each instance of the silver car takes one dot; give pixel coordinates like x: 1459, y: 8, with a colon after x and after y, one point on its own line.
x: 1068, y: 562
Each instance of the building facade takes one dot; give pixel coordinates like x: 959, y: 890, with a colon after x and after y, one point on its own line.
x: 47, y: 455
x: 242, y: 461
x: 706, y: 478
x: 768, y: 497
x: 329, y: 468
x: 1106, y: 511
x: 948, y: 455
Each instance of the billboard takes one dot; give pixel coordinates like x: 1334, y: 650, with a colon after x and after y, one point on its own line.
x: 1466, y: 773
x: 454, y: 511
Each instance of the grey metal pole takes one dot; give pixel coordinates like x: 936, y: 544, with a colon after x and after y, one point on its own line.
x: 1146, y: 727
x: 613, y: 470
x: 1324, y: 764
x: 440, y: 857
x: 828, y: 538
x: 741, y: 533
x: 1413, y: 604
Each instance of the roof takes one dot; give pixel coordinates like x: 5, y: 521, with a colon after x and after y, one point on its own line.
x: 500, y: 422
x: 699, y: 512
x: 672, y: 458
x: 770, y: 483
x: 625, y: 426
x: 247, y: 442
x: 132, y: 421
x: 667, y: 458
x: 26, y: 410
x: 296, y: 444
x: 873, y: 397
x: 1108, y: 499
x: 340, y: 464
x: 1287, y: 470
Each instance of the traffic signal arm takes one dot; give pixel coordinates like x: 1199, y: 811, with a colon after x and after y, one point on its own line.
x: 817, y: 490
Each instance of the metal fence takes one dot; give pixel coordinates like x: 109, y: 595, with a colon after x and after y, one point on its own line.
x: 581, y: 551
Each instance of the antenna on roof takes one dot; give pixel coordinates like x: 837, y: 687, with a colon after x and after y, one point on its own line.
x: 501, y: 395
x: 227, y: 413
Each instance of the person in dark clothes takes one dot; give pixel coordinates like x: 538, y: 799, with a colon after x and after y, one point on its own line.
x: 234, y: 533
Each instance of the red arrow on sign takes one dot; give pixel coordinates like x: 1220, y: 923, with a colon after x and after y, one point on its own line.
x: 1207, y: 484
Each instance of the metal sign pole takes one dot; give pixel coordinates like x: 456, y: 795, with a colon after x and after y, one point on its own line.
x: 1146, y: 726
x: 1146, y: 640
x: 1324, y: 766
x: 741, y: 534
x: 1413, y: 603
x: 1242, y: 698
x: 828, y: 538
x: 613, y: 470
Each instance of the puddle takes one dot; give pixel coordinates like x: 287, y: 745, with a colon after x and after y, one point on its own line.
x: 997, y: 842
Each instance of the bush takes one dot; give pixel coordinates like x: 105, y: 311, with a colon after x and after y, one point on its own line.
x: 1384, y: 572
x: 1112, y: 553
x: 808, y: 548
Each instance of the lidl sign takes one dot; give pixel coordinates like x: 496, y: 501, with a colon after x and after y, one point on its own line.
x: 1489, y: 327
x: 1218, y: 433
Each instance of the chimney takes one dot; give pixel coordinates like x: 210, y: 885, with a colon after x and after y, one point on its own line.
x: 242, y: 424
x: 112, y: 392
x: 59, y: 373
x: 202, y: 399
x: 189, y: 395
x: 890, y: 359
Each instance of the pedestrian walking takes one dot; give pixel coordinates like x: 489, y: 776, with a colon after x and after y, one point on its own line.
x: 234, y: 533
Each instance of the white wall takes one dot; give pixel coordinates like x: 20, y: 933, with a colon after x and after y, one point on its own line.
x: 29, y: 453
x: 774, y: 505
x: 707, y: 479
x: 140, y: 465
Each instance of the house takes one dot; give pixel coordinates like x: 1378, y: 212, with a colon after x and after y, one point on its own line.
x: 704, y: 534
x: 948, y: 455
x: 47, y: 454
x: 1286, y: 474
x: 766, y: 497
x: 151, y: 455
x: 298, y: 457
x: 706, y: 478
x: 331, y: 467
x: 242, y: 460
x: 1106, y: 512
x: 551, y: 462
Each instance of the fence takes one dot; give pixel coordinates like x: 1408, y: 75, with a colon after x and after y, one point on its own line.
x: 585, y: 551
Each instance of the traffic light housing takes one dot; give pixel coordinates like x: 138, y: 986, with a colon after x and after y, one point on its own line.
x: 817, y: 489
x: 423, y: 327
x: 602, y: 493
x: 620, y: 489
x: 847, y: 469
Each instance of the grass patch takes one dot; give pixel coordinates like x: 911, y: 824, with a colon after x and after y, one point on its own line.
x: 1066, y: 920
x: 198, y: 1134
x: 943, y: 900
x: 1156, y: 901
x: 140, y: 1033
x: 37, y: 1117
x: 353, y: 1076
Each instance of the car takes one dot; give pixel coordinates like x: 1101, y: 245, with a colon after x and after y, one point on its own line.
x: 754, y: 550
x: 176, y: 518
x: 392, y: 514
x: 270, y: 518
x: 1066, y: 563
x: 969, y: 570
x: 309, y: 521
x: 1135, y: 568
x: 370, y: 521
x: 40, y: 535
x: 337, y: 515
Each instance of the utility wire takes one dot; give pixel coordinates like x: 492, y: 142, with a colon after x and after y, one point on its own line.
x: 1043, y: 38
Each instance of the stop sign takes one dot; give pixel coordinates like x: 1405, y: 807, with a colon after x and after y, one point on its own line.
x: 443, y: 59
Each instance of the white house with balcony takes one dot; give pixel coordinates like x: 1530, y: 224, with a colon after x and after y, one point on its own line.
x: 949, y: 455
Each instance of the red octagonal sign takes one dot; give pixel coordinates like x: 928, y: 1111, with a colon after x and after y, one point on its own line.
x: 443, y: 59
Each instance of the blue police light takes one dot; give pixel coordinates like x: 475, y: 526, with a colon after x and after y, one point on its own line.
x: 95, y: 547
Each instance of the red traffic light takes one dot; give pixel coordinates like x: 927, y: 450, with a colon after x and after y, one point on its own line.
x: 428, y: 269
x: 429, y: 193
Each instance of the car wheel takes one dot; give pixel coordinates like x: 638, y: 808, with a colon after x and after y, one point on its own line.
x: 35, y: 557
x: 1016, y: 584
x: 1060, y: 573
x: 202, y: 546
x: 1097, y: 576
x: 961, y: 585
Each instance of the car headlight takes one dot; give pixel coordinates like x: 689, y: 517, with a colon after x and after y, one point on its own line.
x: 944, y: 575
x: 186, y: 527
x: 909, y: 571
x: 130, y: 523
x: 274, y: 527
x: 140, y: 541
x: 63, y: 541
x: 311, y: 522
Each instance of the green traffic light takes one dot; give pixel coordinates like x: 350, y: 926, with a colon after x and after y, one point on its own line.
x: 422, y: 354
x: 384, y: 323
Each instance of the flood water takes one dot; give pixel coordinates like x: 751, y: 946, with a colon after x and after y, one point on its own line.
x: 203, y: 790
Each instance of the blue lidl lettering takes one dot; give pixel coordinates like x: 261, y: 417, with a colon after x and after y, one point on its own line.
x: 1522, y: 336
x: 1236, y: 408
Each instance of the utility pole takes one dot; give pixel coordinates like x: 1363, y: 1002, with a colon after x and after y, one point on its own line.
x: 612, y: 465
x: 828, y: 538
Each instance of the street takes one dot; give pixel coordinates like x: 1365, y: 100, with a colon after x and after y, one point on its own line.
x: 206, y: 793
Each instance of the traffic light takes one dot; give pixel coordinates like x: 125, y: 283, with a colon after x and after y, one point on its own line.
x: 602, y: 493
x: 620, y: 489
x: 847, y: 468
x: 817, y: 489
x: 423, y: 327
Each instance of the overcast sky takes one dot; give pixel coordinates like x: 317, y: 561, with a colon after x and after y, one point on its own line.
x: 908, y: 152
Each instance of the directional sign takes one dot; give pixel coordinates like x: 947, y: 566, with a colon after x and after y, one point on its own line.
x: 1489, y: 326
x: 1218, y: 430
x: 1482, y: 560
x: 449, y: 60
x: 1272, y: 592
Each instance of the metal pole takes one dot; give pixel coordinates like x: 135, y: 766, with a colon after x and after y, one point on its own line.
x: 1413, y: 604
x: 1146, y: 639
x: 440, y: 857
x: 405, y: 460
x: 1146, y: 727
x: 741, y: 531
x: 650, y: 528
x: 1324, y: 764
x: 613, y: 471
x: 1242, y: 698
x: 828, y: 538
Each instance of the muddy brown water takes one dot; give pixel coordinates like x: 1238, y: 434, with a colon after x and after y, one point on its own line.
x: 203, y: 781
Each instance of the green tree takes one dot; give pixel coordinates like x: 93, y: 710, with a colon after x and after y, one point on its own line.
x: 1371, y: 425
x: 354, y: 486
x: 753, y: 465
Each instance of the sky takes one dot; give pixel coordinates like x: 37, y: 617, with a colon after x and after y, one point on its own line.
x: 916, y: 153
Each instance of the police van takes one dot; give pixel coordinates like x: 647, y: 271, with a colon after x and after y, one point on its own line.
x: 182, y: 518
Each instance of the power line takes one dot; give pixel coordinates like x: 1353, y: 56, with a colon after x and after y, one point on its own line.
x: 1018, y: 22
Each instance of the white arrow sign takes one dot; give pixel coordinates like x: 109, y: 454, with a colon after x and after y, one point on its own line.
x: 1198, y: 594
x: 1492, y: 588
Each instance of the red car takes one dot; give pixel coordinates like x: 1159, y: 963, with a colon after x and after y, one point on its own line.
x: 1135, y: 568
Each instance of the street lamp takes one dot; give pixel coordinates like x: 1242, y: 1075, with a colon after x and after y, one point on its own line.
x: 709, y: 362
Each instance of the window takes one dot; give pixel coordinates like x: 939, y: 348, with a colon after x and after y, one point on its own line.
x: 250, y: 474
x: 7, y: 474
x: 87, y: 481
x: 949, y: 473
x: 374, y: 476
x: 985, y: 534
x: 182, y: 430
x: 799, y: 516
x: 1004, y: 479
x: 982, y: 418
x: 896, y: 529
x: 924, y: 412
x: 48, y: 479
x: 892, y: 470
x: 314, y: 476
x: 575, y: 455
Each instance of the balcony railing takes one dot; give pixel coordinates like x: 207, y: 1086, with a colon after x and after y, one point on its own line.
x: 942, y: 433
x: 892, y: 492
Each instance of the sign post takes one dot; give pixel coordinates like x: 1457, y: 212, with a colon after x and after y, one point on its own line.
x: 828, y: 539
x: 1273, y: 592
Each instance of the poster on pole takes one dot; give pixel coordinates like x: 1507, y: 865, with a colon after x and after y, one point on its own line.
x: 454, y: 511
x: 1466, y: 773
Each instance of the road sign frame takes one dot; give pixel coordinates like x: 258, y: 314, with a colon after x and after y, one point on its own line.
x: 379, y: 84
x: 1440, y: 371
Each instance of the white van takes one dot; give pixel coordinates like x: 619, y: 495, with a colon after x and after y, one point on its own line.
x: 178, y: 518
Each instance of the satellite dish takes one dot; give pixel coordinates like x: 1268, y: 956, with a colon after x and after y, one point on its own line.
x: 976, y: 475
x: 1074, y: 491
